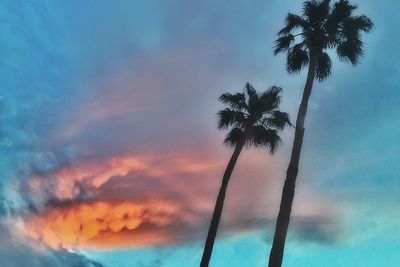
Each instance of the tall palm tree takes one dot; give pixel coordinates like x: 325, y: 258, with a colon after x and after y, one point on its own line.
x: 306, y: 39
x: 253, y: 119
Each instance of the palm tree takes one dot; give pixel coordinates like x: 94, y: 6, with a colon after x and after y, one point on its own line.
x: 306, y: 39
x: 253, y: 119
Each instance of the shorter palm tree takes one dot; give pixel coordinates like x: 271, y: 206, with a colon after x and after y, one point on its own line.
x: 253, y: 119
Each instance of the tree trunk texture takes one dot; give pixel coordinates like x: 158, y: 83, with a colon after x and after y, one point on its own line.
x: 282, y: 223
x: 212, y: 231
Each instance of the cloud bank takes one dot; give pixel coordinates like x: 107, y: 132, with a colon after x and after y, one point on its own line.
x: 112, y: 135
x: 153, y: 200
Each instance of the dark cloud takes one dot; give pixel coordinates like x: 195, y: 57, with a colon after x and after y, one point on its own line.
x: 17, y: 251
x: 16, y: 254
x: 318, y: 229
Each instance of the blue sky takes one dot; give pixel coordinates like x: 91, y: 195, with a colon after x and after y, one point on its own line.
x: 113, y: 106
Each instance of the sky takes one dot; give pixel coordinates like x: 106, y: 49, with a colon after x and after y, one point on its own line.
x: 110, y: 154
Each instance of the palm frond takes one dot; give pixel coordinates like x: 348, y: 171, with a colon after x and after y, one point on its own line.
x: 324, y: 65
x: 316, y: 11
x: 349, y: 30
x: 341, y: 11
x: 350, y: 50
x: 261, y: 136
x: 235, y: 101
x: 282, y: 44
x: 353, y: 26
x: 297, y: 58
x: 278, y: 120
x: 270, y: 99
x: 293, y: 22
x: 228, y: 117
x: 233, y: 137
x: 362, y: 23
x: 251, y: 92
x: 351, y: 46
x: 252, y: 98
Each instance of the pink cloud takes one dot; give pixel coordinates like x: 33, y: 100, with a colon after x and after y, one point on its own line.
x: 160, y: 199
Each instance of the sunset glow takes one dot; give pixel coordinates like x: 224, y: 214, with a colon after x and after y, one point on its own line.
x: 94, y: 225
x: 111, y: 154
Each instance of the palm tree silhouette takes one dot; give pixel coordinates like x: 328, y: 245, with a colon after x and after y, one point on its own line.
x: 306, y: 39
x: 254, y: 119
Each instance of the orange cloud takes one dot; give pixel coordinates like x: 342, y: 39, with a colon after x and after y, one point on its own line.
x: 157, y: 199
x: 140, y: 216
x: 98, y: 224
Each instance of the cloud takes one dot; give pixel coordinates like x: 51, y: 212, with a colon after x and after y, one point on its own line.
x: 317, y: 228
x: 126, y: 130
x: 100, y: 224
x: 17, y: 250
x: 69, y: 182
x: 153, y: 200
x: 15, y: 253
x: 72, y: 181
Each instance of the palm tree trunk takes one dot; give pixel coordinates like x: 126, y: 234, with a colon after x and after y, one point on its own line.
x: 282, y: 223
x: 212, y: 231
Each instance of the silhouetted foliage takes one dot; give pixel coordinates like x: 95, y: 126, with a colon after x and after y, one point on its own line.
x: 256, y: 112
x: 322, y: 26
x: 305, y: 39
x: 253, y: 119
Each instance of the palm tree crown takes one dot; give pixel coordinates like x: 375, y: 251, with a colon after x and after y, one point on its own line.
x: 253, y: 117
x: 322, y: 26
